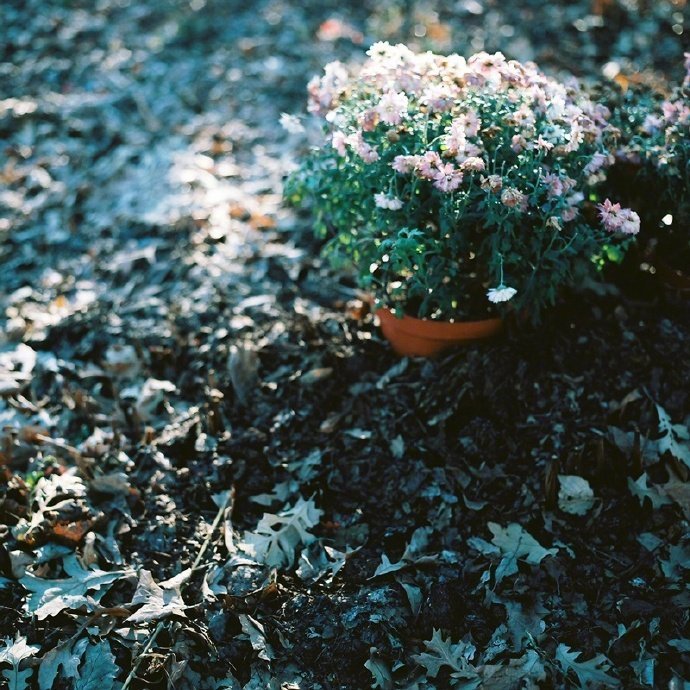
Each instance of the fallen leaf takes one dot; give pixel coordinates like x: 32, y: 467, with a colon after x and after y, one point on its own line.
x: 575, y: 495
x: 592, y: 672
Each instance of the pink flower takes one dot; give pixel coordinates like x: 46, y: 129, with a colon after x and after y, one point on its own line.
x: 392, y: 107
x: 573, y: 208
x: 438, y: 98
x: 368, y: 120
x: 598, y: 161
x: 405, y: 164
x: 631, y: 222
x: 617, y: 219
x: 338, y: 141
x: 652, y: 124
x: 324, y: 91
x: 429, y: 164
x: 447, y: 178
x: 608, y: 214
x: 575, y: 138
x: 473, y: 164
x: 391, y: 203
x: 455, y: 139
x: 543, y: 144
x: 555, y: 184
x: 518, y: 143
x: 365, y: 151
x: 492, y: 182
x: 512, y: 197
x: 471, y: 122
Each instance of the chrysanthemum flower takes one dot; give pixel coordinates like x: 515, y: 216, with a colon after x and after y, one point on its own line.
x: 617, y: 219
x: 429, y: 164
x: 392, y: 107
x: 405, y: 164
x: 512, y: 197
x: 447, y: 178
x: 502, y: 293
x: 391, y: 203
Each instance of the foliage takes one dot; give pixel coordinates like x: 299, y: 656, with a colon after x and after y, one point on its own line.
x: 443, y: 177
x: 277, y: 536
x: 655, y: 132
x: 442, y: 653
x: 591, y: 673
x: 13, y: 653
x: 50, y: 597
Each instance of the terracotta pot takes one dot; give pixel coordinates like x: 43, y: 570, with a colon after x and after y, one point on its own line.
x: 412, y: 337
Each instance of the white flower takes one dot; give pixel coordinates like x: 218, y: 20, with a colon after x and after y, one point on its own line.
x: 392, y: 107
x: 502, y: 293
x: 291, y: 123
x: 389, y: 202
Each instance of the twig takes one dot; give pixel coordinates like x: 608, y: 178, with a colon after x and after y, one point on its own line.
x: 219, y: 516
x: 144, y: 652
x: 149, y: 643
x: 58, y: 444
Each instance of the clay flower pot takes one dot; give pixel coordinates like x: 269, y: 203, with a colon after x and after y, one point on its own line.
x: 411, y: 337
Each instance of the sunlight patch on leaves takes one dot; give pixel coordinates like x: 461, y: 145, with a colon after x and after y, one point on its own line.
x: 277, y: 537
x: 257, y: 636
x: 13, y: 653
x: 49, y: 597
x: 159, y: 600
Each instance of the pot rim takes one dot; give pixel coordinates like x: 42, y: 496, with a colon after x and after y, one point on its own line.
x: 441, y: 330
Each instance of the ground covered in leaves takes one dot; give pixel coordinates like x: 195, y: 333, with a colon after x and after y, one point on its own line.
x: 215, y: 473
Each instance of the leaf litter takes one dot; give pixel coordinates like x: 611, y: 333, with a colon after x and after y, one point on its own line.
x: 178, y: 371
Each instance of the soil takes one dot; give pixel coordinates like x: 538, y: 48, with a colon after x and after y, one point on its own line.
x: 173, y: 344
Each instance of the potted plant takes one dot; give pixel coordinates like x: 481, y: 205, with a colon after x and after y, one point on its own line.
x: 656, y: 138
x: 457, y: 189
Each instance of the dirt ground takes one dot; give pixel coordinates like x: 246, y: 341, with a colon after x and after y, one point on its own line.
x: 176, y: 362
